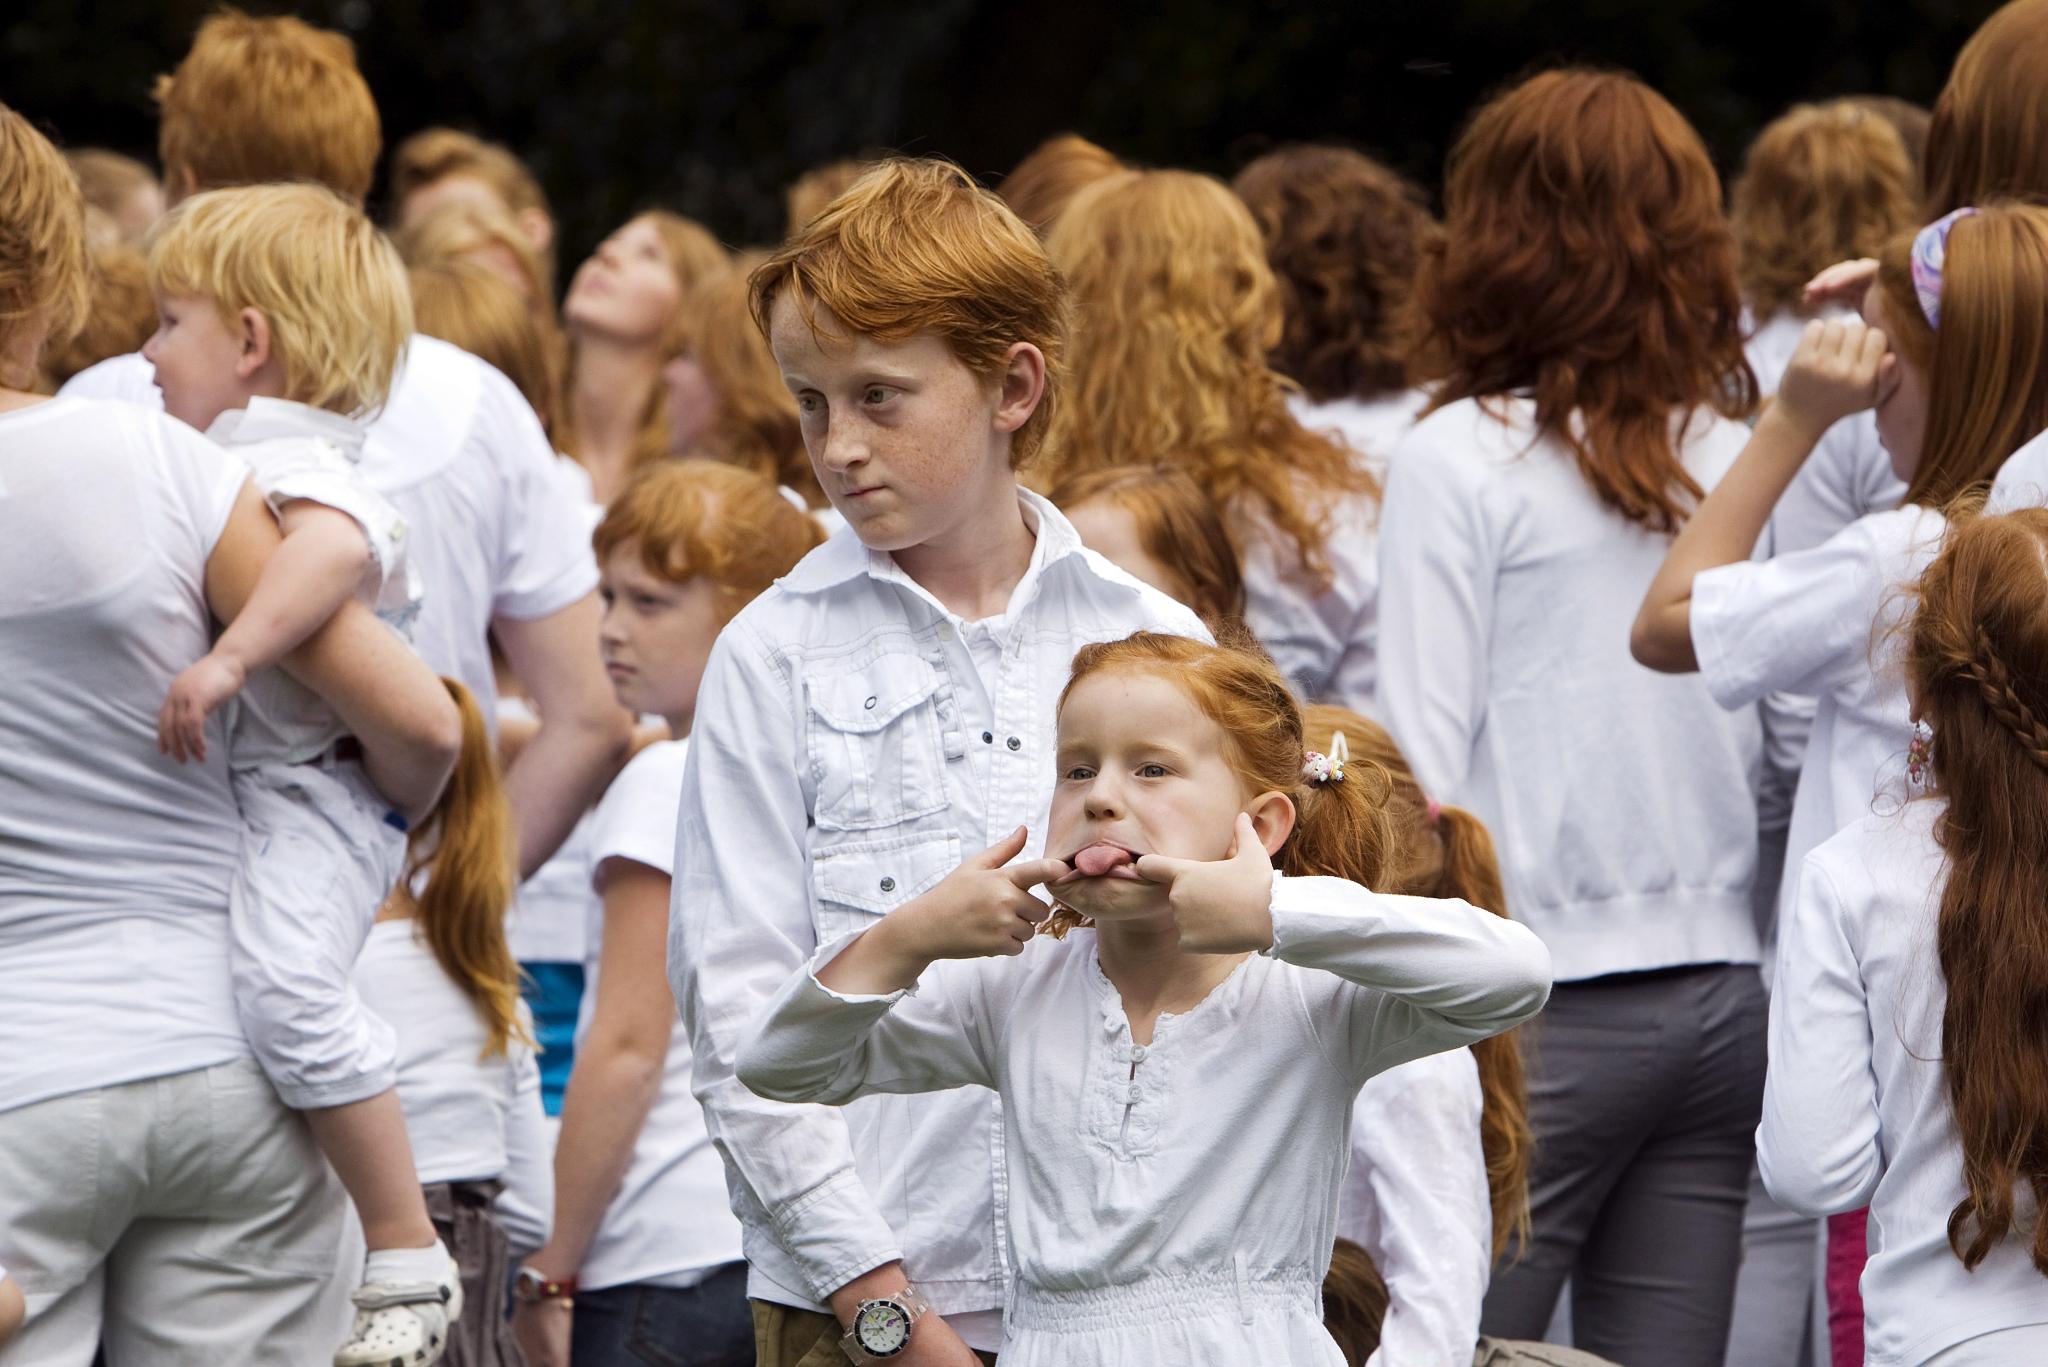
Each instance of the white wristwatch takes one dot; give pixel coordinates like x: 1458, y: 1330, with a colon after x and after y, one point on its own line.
x: 881, y: 1327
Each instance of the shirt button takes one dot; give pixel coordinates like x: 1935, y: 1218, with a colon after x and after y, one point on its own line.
x: 1138, y: 1053
x: 1134, y: 1093
x: 988, y: 738
x: 888, y: 885
x: 1014, y: 743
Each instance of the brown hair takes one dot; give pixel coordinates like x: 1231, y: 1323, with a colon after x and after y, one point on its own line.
x: 1910, y: 121
x: 434, y: 154
x: 1987, y: 366
x: 465, y: 850
x: 1341, y: 830
x: 810, y: 192
x: 1448, y: 852
x: 44, y: 272
x: 1822, y: 183
x: 694, y: 255
x: 1345, y: 235
x: 270, y: 99
x: 757, y: 425
x: 1977, y: 656
x: 1179, y: 308
x: 1051, y: 174
x: 1355, y: 1302
x: 700, y: 517
x: 474, y: 308
x: 108, y: 179
x: 1178, y: 525
x: 1586, y: 259
x: 1989, y: 133
x: 454, y: 231
x: 119, y: 317
x: 916, y: 246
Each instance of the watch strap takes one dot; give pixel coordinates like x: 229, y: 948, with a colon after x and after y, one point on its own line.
x: 530, y: 1285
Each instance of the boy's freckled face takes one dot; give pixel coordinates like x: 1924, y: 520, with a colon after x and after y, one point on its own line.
x: 901, y: 434
x: 195, y: 353
x: 1142, y: 769
x: 656, y: 634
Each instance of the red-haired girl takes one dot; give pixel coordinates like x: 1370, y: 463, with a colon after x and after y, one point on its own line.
x: 1178, y: 1063
x: 1585, y: 301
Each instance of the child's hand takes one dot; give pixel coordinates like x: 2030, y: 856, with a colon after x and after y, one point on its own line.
x: 1844, y: 283
x: 980, y: 909
x: 1832, y: 374
x: 181, y: 725
x: 1222, y: 907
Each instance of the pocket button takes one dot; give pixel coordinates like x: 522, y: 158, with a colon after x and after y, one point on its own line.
x: 1015, y: 744
x: 870, y: 703
x: 888, y: 885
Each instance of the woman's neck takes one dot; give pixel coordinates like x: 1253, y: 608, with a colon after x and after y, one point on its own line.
x: 608, y: 397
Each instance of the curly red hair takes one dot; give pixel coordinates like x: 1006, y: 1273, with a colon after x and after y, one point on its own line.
x: 1586, y: 261
x: 1345, y: 235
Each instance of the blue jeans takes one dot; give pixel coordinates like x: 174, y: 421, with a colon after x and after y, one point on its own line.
x: 706, y: 1325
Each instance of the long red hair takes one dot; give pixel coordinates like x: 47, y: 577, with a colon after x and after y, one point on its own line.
x: 1977, y: 656
x: 1586, y: 261
x: 1989, y: 133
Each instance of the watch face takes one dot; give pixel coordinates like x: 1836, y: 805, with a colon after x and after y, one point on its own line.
x: 882, y: 1328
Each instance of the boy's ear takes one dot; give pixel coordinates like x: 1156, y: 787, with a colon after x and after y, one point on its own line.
x: 1272, y: 817
x: 537, y: 228
x: 255, y: 329
x: 1021, y: 387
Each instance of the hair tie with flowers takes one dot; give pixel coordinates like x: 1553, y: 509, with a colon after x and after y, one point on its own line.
x: 1930, y: 253
x: 1319, y: 768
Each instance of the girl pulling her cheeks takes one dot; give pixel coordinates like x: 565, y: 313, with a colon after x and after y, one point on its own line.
x: 1191, y: 1034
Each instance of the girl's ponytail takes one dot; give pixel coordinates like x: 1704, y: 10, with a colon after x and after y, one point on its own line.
x: 464, y: 853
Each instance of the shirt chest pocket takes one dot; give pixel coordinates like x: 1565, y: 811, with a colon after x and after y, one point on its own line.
x: 875, y: 748
x: 859, y: 882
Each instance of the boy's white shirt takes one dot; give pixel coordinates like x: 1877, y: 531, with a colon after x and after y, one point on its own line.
x: 299, y: 452
x: 847, y: 754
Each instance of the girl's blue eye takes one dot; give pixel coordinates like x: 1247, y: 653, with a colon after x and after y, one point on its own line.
x: 807, y: 403
x: 1152, y: 771
x: 1080, y: 771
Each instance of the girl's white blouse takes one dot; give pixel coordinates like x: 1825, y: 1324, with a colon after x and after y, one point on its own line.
x: 1175, y: 1202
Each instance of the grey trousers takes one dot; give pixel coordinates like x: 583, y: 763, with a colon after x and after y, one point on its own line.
x: 1644, y: 1094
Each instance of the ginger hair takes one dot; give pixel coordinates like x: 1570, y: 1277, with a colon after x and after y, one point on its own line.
x: 1987, y: 366
x: 108, y: 180
x: 1345, y: 236
x: 453, y: 231
x: 1178, y: 310
x: 700, y: 517
x: 119, y: 317
x: 1448, y: 852
x: 465, y: 851
x: 1341, y: 830
x: 1586, y: 261
x: 757, y: 425
x: 916, y: 246
x: 434, y: 154
x: 1822, y: 183
x: 45, y: 275
x: 259, y: 100
x: 329, y: 283
x: 810, y: 192
x: 1179, y: 527
x: 1041, y: 186
x: 1977, y: 657
x: 473, y: 307
x: 1989, y: 134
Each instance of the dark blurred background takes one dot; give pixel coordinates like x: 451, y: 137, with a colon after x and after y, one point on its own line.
x: 711, y: 106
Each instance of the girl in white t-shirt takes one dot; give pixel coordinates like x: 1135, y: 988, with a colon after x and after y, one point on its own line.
x: 644, y: 1241
x: 1908, y: 1069
x: 1176, y: 308
x: 1179, y: 1059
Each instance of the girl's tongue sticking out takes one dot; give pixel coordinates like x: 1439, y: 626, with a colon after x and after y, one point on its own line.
x: 1099, y: 858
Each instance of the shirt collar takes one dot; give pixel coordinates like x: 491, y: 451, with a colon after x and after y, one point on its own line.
x: 844, y: 557
x: 270, y: 419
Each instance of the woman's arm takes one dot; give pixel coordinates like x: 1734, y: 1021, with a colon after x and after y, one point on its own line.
x: 619, y: 1065
x: 1832, y: 374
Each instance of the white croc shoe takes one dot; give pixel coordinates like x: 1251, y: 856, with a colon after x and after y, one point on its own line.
x: 402, y: 1324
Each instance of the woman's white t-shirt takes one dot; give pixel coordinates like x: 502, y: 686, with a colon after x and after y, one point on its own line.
x: 1856, y: 1109
x: 670, y: 1221
x: 1623, y: 801
x: 1372, y: 428
x: 115, y: 860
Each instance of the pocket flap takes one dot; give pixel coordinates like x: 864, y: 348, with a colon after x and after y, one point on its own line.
x: 878, y: 876
x: 874, y: 697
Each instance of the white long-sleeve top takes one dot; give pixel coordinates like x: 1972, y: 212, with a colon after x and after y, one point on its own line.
x: 1623, y: 801
x: 1175, y: 1202
x: 853, y: 742
x: 1856, y: 1110
x: 1323, y: 638
x: 1372, y: 428
x: 2023, y: 480
x: 1416, y: 1199
x: 1821, y: 623
x: 470, y: 1118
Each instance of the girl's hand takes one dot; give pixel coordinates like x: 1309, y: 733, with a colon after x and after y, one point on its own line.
x: 1844, y: 283
x: 181, y: 724
x: 1222, y: 907
x: 1832, y: 374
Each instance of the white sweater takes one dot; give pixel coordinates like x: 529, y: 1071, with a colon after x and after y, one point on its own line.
x: 1623, y: 801
x: 1855, y: 1107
